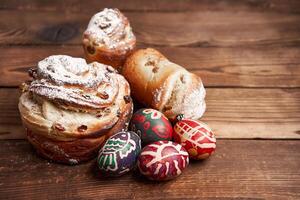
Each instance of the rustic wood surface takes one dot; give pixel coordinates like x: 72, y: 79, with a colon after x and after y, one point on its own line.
x: 231, y: 112
x: 240, y: 169
x: 259, y: 66
x: 290, y: 6
x: 205, y: 28
x: 248, y: 54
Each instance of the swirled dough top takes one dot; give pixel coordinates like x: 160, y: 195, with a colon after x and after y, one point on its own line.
x: 62, y: 69
x: 73, y: 84
x: 110, y: 28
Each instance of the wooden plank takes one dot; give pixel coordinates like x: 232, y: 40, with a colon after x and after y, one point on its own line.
x: 240, y: 169
x: 10, y: 121
x: 206, y: 28
x: 232, y: 113
x: 254, y: 113
x: 154, y: 5
x: 218, y: 67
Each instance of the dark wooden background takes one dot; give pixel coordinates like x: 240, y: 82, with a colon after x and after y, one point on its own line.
x: 247, y: 53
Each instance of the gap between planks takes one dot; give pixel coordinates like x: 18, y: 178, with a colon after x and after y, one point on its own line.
x: 239, y: 169
x: 231, y: 113
x: 290, y: 6
x: 239, y: 67
x: 220, y: 28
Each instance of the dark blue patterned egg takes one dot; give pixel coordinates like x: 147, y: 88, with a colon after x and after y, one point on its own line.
x: 119, y: 154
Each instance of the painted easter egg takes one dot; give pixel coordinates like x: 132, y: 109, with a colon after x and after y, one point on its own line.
x: 119, y: 154
x: 151, y: 125
x: 163, y: 160
x: 196, y: 137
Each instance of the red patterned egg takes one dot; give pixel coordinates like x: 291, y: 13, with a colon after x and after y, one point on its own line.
x: 196, y: 137
x: 151, y: 125
x: 163, y: 160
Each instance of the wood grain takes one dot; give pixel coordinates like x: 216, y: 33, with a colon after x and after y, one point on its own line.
x: 247, y: 52
x: 240, y: 169
x: 276, y: 66
x: 254, y: 113
x: 154, y: 5
x: 231, y: 113
x: 206, y: 28
x: 10, y: 121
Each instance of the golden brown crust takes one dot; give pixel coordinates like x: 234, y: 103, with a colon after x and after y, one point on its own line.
x: 163, y: 85
x: 71, y: 133
x: 68, y: 152
x: 114, y: 58
x: 108, y: 38
x: 80, y: 149
x: 35, y: 116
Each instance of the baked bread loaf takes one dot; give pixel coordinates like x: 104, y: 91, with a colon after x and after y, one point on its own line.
x: 70, y: 107
x: 163, y: 85
x: 108, y: 38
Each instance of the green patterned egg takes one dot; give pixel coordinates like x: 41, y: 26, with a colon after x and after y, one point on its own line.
x: 151, y: 125
x: 119, y: 154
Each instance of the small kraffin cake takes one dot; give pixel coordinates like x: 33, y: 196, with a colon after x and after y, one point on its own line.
x: 70, y: 107
x: 163, y: 85
x: 108, y: 38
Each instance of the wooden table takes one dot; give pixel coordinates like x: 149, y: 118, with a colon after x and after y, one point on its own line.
x: 247, y: 53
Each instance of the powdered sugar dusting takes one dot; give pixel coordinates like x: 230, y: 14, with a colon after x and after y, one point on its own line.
x: 72, y: 95
x: 194, y: 104
x: 157, y: 95
x: 104, y: 25
x: 178, y: 101
x: 73, y: 82
x: 110, y: 28
x: 63, y: 69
